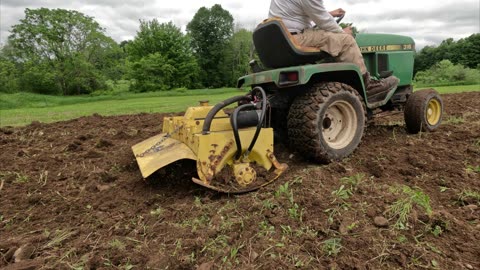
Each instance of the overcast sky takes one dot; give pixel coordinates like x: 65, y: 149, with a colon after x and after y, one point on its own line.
x: 427, y: 21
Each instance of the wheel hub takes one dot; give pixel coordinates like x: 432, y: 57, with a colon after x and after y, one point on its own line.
x: 244, y: 174
x: 434, y: 112
x: 339, y: 124
x: 327, y: 122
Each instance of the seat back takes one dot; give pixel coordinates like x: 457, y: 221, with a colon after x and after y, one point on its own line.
x: 277, y: 48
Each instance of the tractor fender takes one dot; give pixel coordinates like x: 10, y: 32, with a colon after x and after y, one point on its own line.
x: 346, y: 73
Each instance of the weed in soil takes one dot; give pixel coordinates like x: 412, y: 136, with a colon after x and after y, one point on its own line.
x: 402, y: 208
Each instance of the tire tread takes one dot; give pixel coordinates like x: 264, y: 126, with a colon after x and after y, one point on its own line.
x: 303, y: 119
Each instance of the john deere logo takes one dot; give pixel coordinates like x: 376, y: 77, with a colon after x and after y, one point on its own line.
x: 383, y: 48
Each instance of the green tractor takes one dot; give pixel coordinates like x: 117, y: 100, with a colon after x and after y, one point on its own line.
x: 320, y: 107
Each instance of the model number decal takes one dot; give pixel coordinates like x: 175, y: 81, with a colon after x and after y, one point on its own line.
x: 382, y: 48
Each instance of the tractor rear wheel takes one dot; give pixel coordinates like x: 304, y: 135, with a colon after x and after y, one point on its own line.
x: 327, y: 122
x: 423, y: 111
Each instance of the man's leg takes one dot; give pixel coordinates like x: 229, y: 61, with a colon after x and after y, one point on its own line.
x: 341, y: 46
x: 344, y: 48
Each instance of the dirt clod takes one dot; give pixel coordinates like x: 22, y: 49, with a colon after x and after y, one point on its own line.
x: 23, y: 253
x: 6, y: 130
x: 380, y: 222
x: 205, y: 266
x: 93, y: 154
x: 103, y: 187
x: 471, y: 207
x: 26, y: 265
x: 102, y: 143
x: 8, y: 255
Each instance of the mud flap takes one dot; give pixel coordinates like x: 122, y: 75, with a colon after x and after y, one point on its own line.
x: 159, y: 151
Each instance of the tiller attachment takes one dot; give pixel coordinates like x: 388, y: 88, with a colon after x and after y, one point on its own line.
x: 234, y: 153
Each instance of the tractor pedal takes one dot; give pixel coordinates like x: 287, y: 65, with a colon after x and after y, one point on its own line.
x: 386, y: 73
x: 377, y: 96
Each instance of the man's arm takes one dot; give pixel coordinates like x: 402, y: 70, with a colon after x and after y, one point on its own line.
x: 320, y: 16
x: 337, y: 12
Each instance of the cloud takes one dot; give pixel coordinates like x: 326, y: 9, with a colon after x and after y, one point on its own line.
x: 427, y: 21
x: 57, y: 3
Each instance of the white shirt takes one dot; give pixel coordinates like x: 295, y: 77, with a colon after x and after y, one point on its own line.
x: 298, y: 15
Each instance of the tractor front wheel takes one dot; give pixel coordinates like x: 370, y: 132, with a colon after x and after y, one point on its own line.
x: 327, y: 122
x: 423, y: 111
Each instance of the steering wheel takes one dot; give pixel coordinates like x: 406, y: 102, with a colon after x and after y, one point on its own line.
x: 339, y: 19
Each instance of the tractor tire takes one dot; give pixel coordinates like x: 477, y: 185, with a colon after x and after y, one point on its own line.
x: 327, y: 122
x: 423, y: 111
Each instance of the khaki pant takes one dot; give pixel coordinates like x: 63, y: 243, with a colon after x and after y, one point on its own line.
x: 341, y: 46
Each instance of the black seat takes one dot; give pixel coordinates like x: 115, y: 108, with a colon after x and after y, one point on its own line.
x: 277, y: 48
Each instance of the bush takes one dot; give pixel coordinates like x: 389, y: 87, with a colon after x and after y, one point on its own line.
x: 446, y: 73
x: 70, y: 77
x: 113, y: 88
x: 39, y: 79
x: 151, y: 73
x: 8, y: 77
x: 81, y: 77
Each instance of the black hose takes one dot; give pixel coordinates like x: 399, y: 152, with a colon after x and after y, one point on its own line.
x: 262, y: 117
x: 233, y: 122
x: 211, y: 114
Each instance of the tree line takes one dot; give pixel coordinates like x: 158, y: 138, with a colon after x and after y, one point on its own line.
x: 452, y: 62
x: 64, y: 52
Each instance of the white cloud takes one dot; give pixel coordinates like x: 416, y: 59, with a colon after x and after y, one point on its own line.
x: 427, y: 21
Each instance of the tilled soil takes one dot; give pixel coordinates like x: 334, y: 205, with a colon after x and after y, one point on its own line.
x: 72, y: 197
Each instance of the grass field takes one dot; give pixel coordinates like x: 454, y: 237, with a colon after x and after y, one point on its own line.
x: 23, y: 108
x: 454, y: 89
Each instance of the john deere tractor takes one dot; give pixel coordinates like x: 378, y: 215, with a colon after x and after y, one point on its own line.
x: 299, y: 96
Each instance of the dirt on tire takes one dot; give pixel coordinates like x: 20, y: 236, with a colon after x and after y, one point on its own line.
x: 416, y: 115
x: 305, y: 122
x: 72, y: 197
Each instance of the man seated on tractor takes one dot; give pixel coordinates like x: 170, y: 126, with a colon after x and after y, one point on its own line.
x: 327, y: 36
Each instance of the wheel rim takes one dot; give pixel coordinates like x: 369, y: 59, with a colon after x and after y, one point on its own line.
x: 339, y: 124
x: 434, y: 111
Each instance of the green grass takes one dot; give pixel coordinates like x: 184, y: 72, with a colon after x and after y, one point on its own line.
x: 30, y: 100
x: 23, y: 108
x: 453, y: 89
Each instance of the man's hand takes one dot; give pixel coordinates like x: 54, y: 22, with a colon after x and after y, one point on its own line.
x: 348, y: 30
x: 337, y: 12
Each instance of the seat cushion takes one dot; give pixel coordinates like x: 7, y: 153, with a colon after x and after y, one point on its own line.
x: 277, y: 48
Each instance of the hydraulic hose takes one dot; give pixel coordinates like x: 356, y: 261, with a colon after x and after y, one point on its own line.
x: 211, y: 114
x: 233, y: 122
x: 262, y: 117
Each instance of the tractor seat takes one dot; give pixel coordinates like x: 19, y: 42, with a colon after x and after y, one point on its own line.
x: 277, y: 48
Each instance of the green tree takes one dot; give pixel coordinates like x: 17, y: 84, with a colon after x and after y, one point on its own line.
x: 239, y: 54
x: 8, y: 76
x: 469, y: 51
x: 9, y: 70
x: 211, y: 30
x: 39, y: 78
x: 152, y: 73
x: 67, y: 44
x: 425, y: 59
x: 165, y: 43
x: 465, y: 52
